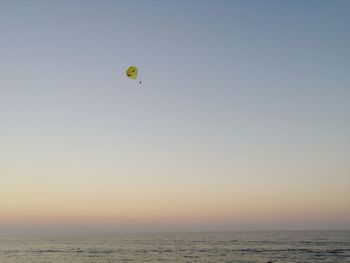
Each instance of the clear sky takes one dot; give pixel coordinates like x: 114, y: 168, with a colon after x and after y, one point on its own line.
x: 242, y: 121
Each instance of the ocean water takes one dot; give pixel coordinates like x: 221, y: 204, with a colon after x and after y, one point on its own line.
x: 178, y: 247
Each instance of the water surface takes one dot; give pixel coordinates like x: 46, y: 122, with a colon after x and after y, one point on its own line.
x: 178, y: 247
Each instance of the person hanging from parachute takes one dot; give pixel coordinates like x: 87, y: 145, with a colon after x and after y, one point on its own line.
x: 131, y: 73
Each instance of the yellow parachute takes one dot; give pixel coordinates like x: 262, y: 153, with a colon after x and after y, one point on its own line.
x: 132, y: 72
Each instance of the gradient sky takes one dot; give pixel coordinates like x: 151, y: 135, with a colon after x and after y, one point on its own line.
x: 242, y: 121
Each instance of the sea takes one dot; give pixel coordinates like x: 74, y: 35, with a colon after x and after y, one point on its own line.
x: 203, y: 247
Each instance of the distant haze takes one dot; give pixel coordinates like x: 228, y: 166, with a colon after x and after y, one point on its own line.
x: 242, y: 120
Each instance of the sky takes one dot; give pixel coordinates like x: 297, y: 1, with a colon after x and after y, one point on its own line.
x: 242, y: 120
